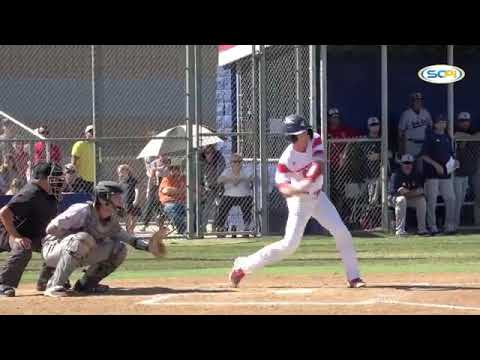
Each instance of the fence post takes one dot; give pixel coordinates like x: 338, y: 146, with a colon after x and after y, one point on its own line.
x: 323, y: 115
x: 384, y: 145
x: 263, y: 141
x: 312, y: 54
x: 198, y: 121
x: 190, y: 109
x: 298, y: 82
x: 450, y: 94
x: 254, y: 118
x: 97, y: 99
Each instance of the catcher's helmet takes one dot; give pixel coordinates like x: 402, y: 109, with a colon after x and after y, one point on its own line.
x: 295, y: 125
x: 105, y: 189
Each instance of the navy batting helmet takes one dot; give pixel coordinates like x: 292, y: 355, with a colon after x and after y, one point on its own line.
x: 295, y: 125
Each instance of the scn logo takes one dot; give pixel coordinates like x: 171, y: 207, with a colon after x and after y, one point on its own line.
x: 441, y: 74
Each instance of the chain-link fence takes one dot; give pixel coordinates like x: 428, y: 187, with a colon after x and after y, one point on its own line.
x: 355, y: 185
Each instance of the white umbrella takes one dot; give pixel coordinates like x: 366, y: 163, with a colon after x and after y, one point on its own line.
x: 175, y: 141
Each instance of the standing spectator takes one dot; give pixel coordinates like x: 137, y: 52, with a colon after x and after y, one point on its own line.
x: 15, y: 187
x: 468, y: 153
x: 412, y: 128
x: 83, y: 158
x: 8, y: 172
x: 173, y: 194
x: 40, y: 153
x: 73, y: 182
x: 21, y: 160
x: 9, y: 132
x: 338, y: 153
x: 437, y: 151
x: 406, y: 189
x: 130, y: 196
x: 156, y: 169
x: 212, y: 166
x: 238, y: 192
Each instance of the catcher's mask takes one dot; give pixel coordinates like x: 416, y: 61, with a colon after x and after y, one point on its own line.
x: 54, y: 176
x: 108, y: 193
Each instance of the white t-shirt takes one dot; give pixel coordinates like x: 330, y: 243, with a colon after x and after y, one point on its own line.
x: 243, y: 188
x: 293, y: 165
x: 414, y: 125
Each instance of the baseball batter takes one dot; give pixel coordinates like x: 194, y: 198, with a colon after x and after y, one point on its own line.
x: 88, y: 234
x: 299, y: 179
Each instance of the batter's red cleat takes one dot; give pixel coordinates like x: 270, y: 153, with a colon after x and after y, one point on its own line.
x: 236, y: 276
x: 356, y: 283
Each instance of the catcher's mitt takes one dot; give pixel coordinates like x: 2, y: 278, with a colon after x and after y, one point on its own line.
x: 156, y: 245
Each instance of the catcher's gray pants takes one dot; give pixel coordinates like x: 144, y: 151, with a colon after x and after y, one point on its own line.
x: 444, y: 188
x: 418, y: 203
x: 78, y: 250
x: 460, y: 184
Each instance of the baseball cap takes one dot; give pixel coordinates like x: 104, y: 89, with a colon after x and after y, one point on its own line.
x: 294, y: 125
x: 334, y: 112
x: 407, y: 158
x: 416, y: 96
x: 373, y: 121
x: 464, y: 116
x: 89, y: 128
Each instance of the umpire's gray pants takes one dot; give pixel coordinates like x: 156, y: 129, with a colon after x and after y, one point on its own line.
x: 460, y: 184
x: 418, y: 203
x: 444, y: 188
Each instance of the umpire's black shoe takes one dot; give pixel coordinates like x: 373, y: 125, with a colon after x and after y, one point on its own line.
x: 90, y: 289
x: 7, y: 291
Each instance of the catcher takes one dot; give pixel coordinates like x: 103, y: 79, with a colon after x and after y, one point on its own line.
x: 89, y: 234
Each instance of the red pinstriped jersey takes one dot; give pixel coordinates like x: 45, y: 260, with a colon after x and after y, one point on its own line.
x: 294, y: 166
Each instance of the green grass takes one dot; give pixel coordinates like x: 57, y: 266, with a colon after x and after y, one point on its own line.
x: 377, y: 254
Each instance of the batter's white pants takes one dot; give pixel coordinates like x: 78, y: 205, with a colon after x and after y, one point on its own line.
x: 300, y: 210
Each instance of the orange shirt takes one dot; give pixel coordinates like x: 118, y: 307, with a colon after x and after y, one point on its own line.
x: 174, y: 182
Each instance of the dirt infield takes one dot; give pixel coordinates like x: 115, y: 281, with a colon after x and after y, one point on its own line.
x: 262, y: 294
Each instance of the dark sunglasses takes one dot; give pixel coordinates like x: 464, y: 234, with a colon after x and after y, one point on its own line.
x: 376, y: 124
x: 407, y: 163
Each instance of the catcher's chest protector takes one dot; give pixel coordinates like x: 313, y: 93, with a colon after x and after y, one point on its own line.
x: 98, y: 230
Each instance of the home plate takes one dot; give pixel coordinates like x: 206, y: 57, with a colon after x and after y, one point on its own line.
x: 293, y: 291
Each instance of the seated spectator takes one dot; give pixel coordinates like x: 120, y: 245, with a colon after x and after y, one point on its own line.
x: 130, y: 196
x: 40, y: 153
x: 468, y: 153
x: 8, y: 172
x: 8, y: 133
x: 437, y: 152
x: 412, y: 128
x: 172, y: 194
x: 406, y: 190
x: 73, y: 183
x: 15, y: 187
x: 238, y: 192
x: 212, y: 165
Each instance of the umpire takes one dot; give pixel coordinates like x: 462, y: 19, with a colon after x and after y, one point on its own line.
x: 24, y: 220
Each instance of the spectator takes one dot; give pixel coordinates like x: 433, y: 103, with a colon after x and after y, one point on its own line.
x: 468, y: 153
x: 338, y: 156
x: 130, y: 196
x: 21, y: 159
x: 15, y: 187
x: 156, y: 169
x: 73, y: 182
x: 406, y: 189
x: 8, y: 172
x: 238, y: 192
x: 9, y: 132
x: 212, y: 166
x: 83, y: 158
x: 437, y: 152
x: 172, y: 193
x: 40, y: 153
x: 412, y: 128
